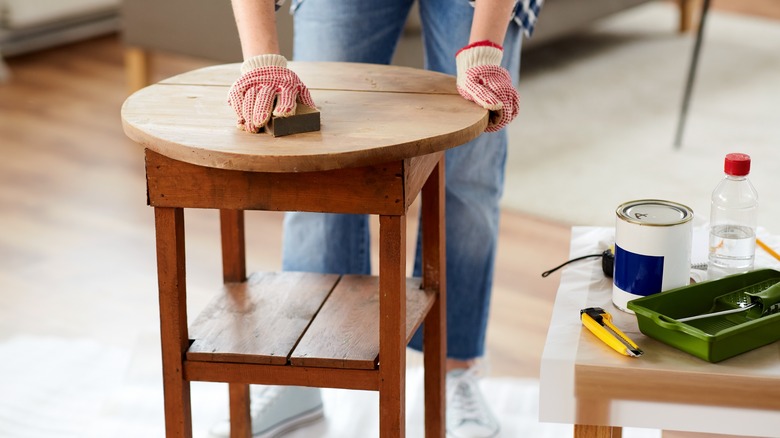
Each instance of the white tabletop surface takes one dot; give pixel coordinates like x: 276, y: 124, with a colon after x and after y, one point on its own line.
x: 569, y: 343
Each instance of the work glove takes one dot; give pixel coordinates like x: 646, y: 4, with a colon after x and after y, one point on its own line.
x: 266, y: 87
x: 482, y: 80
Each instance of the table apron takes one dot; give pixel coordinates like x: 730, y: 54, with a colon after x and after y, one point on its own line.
x: 387, y: 188
x: 281, y: 375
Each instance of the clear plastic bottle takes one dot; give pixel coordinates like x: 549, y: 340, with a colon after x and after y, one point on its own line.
x: 733, y: 220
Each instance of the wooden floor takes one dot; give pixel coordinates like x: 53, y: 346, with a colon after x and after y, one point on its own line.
x: 759, y: 8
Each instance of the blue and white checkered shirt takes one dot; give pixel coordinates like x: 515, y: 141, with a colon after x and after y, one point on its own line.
x: 525, y: 14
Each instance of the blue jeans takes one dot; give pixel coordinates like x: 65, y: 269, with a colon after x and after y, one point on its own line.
x: 367, y: 31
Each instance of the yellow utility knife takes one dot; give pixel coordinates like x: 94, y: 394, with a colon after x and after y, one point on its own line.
x: 600, y: 324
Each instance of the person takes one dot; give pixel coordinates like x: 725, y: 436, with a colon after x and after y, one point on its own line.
x: 479, y: 42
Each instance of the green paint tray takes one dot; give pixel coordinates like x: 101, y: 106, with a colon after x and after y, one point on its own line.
x: 716, y: 337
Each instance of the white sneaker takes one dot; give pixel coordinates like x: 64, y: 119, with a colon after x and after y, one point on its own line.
x: 276, y: 410
x: 468, y: 415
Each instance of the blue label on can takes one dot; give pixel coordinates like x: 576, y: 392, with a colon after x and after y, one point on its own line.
x: 638, y: 274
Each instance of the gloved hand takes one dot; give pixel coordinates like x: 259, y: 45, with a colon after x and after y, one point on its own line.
x: 266, y: 86
x: 482, y: 80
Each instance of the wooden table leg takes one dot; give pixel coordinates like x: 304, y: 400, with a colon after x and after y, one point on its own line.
x: 233, y: 245
x: 169, y: 228
x: 240, y: 421
x: 137, y: 68
x: 595, y: 410
x: 234, y: 271
x: 392, y: 326
x: 705, y: 6
x: 586, y: 431
x: 434, y: 277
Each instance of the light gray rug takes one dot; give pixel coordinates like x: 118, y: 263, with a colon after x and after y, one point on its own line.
x: 599, y: 112
x: 59, y: 387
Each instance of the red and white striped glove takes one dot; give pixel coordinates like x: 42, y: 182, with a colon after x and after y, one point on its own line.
x: 482, y: 80
x: 266, y: 86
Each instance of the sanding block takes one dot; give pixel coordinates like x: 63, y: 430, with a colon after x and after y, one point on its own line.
x: 305, y: 120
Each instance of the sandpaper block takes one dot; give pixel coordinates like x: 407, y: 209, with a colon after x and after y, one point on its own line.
x: 305, y: 120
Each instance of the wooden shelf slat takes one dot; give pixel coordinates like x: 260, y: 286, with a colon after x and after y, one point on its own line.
x: 345, y: 333
x: 260, y: 320
x: 300, y: 319
x: 374, y: 189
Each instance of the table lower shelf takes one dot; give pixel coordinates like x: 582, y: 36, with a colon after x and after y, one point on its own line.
x: 300, y: 319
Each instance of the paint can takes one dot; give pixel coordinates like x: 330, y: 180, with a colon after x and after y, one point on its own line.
x: 652, y: 249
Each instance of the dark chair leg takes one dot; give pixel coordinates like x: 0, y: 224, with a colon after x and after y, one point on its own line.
x: 691, y: 75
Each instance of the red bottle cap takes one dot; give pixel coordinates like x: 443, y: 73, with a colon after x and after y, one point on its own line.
x: 737, y: 164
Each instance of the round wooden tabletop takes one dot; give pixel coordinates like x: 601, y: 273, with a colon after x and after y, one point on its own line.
x: 369, y: 114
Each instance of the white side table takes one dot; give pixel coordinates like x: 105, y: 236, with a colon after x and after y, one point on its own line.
x: 585, y: 383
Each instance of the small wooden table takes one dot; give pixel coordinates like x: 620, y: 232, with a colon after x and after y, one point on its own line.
x: 383, y: 137
x: 584, y: 382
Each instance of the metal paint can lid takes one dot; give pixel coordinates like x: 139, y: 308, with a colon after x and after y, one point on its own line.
x: 654, y: 212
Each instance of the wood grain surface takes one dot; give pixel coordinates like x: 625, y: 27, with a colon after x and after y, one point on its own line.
x: 345, y: 333
x: 369, y: 114
x: 259, y: 321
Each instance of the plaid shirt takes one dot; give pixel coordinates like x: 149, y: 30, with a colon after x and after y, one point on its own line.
x: 525, y: 14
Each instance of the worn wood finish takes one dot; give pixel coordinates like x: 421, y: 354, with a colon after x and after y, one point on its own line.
x: 345, y: 332
x: 234, y: 271
x: 171, y: 279
x: 240, y: 418
x: 392, y: 326
x: 281, y: 375
x: 435, y: 278
x: 372, y: 189
x: 195, y: 158
x: 233, y: 245
x: 193, y: 123
x: 416, y: 172
x: 259, y: 321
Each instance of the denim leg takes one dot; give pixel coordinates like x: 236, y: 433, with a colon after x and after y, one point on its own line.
x: 351, y: 31
x: 360, y: 31
x: 474, y: 184
x: 326, y: 242
x: 348, y: 30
